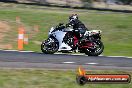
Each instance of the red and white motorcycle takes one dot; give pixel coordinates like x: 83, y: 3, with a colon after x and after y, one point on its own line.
x: 63, y: 39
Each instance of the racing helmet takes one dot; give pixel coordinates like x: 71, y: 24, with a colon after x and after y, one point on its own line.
x: 73, y: 17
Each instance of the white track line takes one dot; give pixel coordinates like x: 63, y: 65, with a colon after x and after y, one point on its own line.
x: 68, y: 62
x: 128, y: 57
x: 26, y: 51
x: 91, y: 63
x: 115, y: 56
x: 67, y: 54
x: 78, y: 54
x: 17, y: 51
x: 101, y: 55
x: 119, y: 56
x: 9, y: 50
x: 58, y: 53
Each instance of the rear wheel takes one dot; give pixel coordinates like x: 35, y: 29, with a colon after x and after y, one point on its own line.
x: 49, y: 46
x: 96, y: 50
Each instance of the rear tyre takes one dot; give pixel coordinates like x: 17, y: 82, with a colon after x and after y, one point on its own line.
x: 49, y: 46
x: 99, y: 47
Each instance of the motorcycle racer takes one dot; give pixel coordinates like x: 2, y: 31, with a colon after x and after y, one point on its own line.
x: 63, y: 39
x: 78, y: 26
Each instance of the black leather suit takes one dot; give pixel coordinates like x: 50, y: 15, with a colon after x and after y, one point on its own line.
x: 79, y: 28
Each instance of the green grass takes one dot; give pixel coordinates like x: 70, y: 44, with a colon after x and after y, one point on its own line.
x: 116, y: 27
x: 32, y: 78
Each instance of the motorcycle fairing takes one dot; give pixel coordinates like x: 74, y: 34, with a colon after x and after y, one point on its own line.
x: 59, y: 35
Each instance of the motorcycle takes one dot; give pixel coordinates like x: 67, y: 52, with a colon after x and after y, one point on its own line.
x: 63, y: 39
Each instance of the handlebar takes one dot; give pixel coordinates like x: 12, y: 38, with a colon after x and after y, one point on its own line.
x: 60, y: 26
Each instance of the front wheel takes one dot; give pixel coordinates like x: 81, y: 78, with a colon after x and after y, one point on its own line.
x: 97, y: 50
x: 49, y: 46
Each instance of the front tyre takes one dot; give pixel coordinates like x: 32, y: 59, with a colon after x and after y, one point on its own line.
x: 97, y: 50
x: 50, y: 46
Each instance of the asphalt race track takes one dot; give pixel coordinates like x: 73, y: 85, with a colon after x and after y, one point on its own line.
x: 15, y: 59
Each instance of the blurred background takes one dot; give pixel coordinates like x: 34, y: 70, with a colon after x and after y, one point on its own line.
x: 111, y: 4
x: 113, y: 17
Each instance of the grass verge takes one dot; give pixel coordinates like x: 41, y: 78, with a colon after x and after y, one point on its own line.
x: 32, y: 78
x: 116, y: 27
